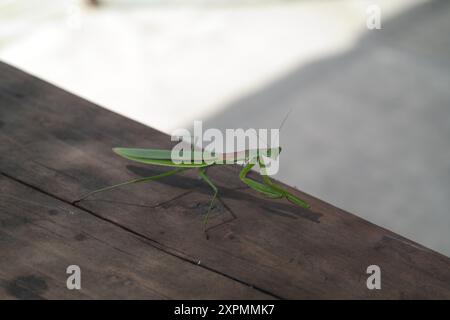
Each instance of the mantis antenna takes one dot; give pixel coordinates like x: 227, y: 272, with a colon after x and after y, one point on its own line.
x: 279, y: 128
x: 284, y: 120
x: 276, y: 136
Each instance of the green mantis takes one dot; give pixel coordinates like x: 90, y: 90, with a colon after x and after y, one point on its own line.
x: 250, y: 157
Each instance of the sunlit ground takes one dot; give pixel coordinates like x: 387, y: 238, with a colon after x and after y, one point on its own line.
x: 167, y: 63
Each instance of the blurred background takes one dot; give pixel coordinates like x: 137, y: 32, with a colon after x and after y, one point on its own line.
x: 370, y: 126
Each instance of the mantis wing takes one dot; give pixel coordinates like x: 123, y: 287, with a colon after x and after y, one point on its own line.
x: 163, y: 157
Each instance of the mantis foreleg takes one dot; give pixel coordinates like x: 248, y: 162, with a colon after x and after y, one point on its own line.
x: 284, y: 192
x: 265, y: 189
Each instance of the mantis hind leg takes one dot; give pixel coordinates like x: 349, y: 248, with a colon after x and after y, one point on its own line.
x: 265, y: 189
x: 201, y: 173
x: 140, y: 180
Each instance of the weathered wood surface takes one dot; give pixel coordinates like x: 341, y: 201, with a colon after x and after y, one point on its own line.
x: 55, y: 147
x: 40, y: 236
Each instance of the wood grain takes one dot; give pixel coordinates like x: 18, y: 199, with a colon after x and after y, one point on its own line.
x: 61, y: 145
x: 41, y: 236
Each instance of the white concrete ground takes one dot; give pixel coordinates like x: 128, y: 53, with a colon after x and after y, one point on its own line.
x: 369, y: 129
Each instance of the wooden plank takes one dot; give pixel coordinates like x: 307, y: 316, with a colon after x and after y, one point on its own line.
x: 41, y: 236
x: 62, y: 144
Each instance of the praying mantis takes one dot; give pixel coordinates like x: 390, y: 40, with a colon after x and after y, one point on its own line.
x: 250, y: 157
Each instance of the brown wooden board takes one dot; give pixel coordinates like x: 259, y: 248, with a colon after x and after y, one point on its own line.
x: 61, y: 145
x: 41, y: 236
